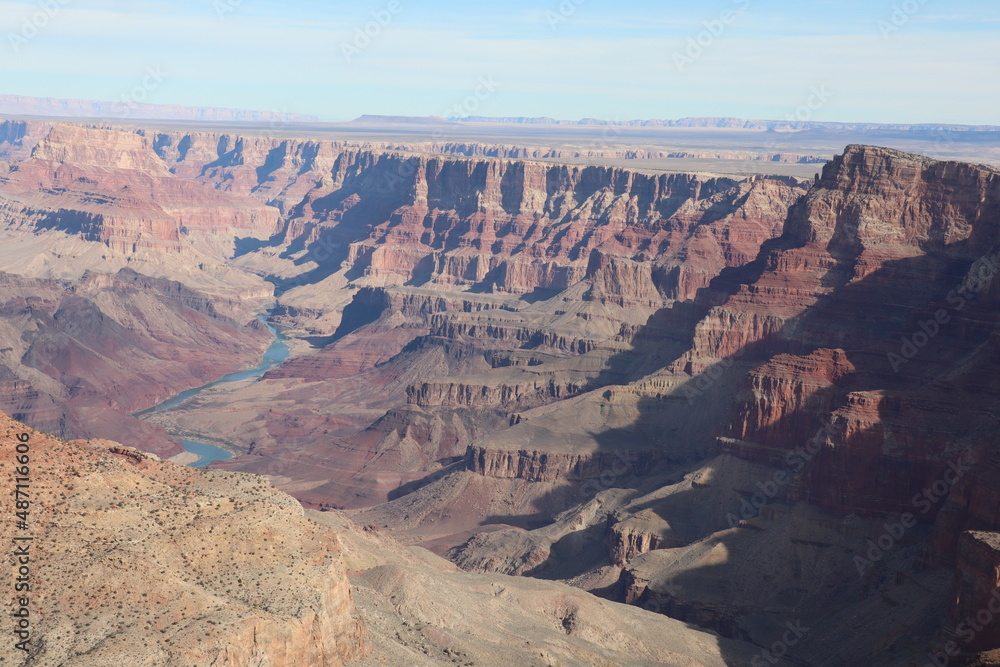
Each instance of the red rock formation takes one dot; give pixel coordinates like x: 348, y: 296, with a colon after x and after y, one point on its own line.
x: 137, y: 561
x: 18, y: 138
x: 871, y: 323
x: 110, y: 186
x: 882, y: 232
x: 534, y: 466
x: 863, y: 344
x: 634, y: 537
x: 80, y: 359
x: 507, y: 225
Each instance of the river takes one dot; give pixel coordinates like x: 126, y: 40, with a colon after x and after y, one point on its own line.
x: 275, y: 355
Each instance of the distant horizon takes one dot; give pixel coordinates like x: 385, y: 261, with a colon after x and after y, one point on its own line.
x: 472, y: 119
x: 847, y: 61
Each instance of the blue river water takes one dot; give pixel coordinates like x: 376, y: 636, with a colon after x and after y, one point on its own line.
x: 275, y: 355
x: 208, y: 453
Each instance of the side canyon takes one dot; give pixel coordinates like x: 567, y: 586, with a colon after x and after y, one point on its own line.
x: 733, y: 404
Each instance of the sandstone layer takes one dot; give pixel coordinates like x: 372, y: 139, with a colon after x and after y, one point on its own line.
x: 141, y: 562
x: 707, y: 396
x: 847, y: 370
x: 79, y: 359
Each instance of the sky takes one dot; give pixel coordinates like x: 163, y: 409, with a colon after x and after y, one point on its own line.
x: 890, y: 61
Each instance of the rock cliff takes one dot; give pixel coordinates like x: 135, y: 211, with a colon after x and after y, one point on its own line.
x: 110, y: 186
x: 398, y: 217
x: 79, y: 359
x: 704, y: 395
x: 144, y: 562
x: 854, y: 360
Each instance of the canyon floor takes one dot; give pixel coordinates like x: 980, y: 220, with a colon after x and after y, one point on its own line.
x: 680, y: 396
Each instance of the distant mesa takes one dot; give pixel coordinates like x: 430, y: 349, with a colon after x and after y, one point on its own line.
x: 376, y: 119
x: 22, y: 105
x: 121, y: 111
x: 732, y: 123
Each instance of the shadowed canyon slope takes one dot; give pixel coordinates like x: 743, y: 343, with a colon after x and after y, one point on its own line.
x: 525, y: 280
x: 862, y: 337
x: 79, y: 358
x: 142, y: 562
x: 711, y: 397
x: 854, y: 360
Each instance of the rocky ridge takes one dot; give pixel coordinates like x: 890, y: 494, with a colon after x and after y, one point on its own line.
x: 147, y: 562
x: 150, y: 562
x: 710, y: 384
x: 110, y: 186
x: 867, y: 418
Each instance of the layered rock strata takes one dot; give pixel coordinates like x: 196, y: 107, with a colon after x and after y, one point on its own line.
x: 144, y: 562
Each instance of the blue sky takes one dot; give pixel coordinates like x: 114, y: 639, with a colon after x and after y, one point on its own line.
x: 879, y: 61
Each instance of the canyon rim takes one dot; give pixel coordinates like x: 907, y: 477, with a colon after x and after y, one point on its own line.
x: 535, y: 334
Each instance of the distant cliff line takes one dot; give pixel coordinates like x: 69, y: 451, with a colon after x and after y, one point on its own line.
x: 735, y: 123
x: 128, y: 107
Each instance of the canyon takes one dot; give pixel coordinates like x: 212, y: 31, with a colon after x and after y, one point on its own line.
x: 145, y: 562
x: 685, y: 411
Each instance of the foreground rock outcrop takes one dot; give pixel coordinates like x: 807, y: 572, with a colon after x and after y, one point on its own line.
x: 141, y: 562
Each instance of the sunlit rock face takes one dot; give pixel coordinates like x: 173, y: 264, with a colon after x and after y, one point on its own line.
x: 703, y: 395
